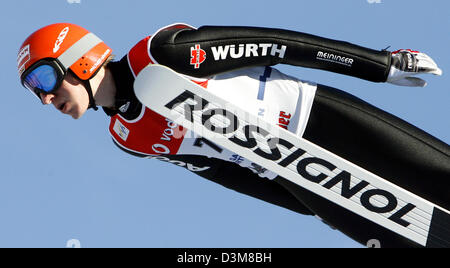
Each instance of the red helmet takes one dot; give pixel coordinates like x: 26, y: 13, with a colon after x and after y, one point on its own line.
x: 67, y: 47
x: 73, y: 46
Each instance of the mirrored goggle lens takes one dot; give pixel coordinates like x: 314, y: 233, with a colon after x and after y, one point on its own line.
x: 43, y: 78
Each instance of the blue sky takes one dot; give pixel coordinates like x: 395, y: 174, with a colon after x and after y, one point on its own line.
x: 63, y: 179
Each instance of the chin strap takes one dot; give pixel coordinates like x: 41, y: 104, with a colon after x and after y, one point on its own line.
x: 88, y: 87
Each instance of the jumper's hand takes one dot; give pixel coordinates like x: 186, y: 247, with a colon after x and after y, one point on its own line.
x: 407, y: 63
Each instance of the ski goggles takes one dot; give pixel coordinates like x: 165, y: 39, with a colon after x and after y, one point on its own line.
x: 45, y: 77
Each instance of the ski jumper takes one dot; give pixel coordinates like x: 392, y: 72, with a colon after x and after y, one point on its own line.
x: 236, y: 64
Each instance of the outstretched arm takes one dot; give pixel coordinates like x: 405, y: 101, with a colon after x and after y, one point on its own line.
x: 211, y: 50
x: 229, y: 48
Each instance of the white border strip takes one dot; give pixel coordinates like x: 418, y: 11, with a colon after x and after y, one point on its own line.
x: 77, y: 50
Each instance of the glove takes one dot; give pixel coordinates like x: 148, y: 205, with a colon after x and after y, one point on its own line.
x: 407, y: 63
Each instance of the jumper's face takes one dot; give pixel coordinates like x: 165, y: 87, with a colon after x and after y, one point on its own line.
x: 70, y: 98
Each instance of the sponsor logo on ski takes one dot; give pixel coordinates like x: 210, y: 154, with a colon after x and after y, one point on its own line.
x: 247, y: 51
x: 198, y: 56
x: 62, y: 35
x: 257, y: 139
x: 23, y: 57
x: 237, y: 159
x: 330, y: 57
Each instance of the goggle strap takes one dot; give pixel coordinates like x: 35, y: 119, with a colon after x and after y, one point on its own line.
x: 77, y: 50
